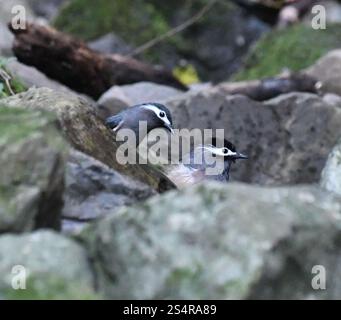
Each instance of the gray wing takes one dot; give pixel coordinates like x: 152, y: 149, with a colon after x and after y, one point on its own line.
x: 114, y: 121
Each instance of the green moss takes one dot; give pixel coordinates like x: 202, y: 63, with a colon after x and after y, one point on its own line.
x: 49, y: 287
x: 295, y: 48
x: 136, y: 21
x: 16, y: 124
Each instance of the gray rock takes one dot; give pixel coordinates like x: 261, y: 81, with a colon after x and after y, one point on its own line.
x: 328, y: 71
x: 55, y: 267
x: 110, y: 43
x: 287, y: 138
x: 331, y: 174
x: 219, y: 241
x: 45, y: 8
x: 31, y: 77
x: 93, y: 190
x: 32, y: 155
x: 85, y: 131
x: 119, y: 97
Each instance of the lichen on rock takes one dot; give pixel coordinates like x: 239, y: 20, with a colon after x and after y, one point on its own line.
x: 33, y: 153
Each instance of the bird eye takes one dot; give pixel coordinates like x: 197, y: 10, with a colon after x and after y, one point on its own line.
x: 225, y: 151
x: 162, y: 114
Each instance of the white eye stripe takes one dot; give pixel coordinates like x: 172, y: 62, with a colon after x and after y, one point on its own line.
x: 220, y: 151
x: 157, y: 111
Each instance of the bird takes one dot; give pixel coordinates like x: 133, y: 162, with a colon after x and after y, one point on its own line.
x: 194, y: 167
x: 156, y: 115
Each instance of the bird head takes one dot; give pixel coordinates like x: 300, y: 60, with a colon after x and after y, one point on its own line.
x: 225, y: 149
x: 157, y: 116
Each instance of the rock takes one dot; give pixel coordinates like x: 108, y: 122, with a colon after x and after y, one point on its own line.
x: 327, y: 70
x: 85, y: 131
x: 277, y: 135
x: 32, y: 154
x: 331, y: 174
x: 45, y: 8
x: 110, y: 43
x: 31, y: 77
x: 118, y: 97
x: 217, y: 241
x: 73, y: 227
x: 93, y: 190
x: 6, y: 38
x: 55, y: 267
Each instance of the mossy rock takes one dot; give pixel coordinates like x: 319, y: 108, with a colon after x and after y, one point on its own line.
x: 44, y: 265
x: 32, y: 155
x: 294, y: 48
x: 17, y: 124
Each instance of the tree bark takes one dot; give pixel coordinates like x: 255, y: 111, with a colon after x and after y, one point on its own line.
x: 71, y: 62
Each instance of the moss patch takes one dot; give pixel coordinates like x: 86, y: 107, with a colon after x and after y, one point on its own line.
x: 295, y: 48
x: 16, y: 124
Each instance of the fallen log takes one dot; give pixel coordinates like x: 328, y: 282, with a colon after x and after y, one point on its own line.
x: 73, y: 63
x: 265, y: 89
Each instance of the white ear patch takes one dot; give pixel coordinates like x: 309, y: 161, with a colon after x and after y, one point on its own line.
x: 159, y: 113
x: 223, y: 152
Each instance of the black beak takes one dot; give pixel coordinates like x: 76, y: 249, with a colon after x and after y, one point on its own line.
x: 239, y: 156
x: 169, y: 128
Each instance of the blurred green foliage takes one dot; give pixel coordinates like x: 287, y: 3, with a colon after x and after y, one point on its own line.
x: 138, y: 21
x: 135, y: 21
x: 294, y: 48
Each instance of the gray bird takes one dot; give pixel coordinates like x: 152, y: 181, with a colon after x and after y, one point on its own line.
x: 156, y: 115
x: 194, y: 167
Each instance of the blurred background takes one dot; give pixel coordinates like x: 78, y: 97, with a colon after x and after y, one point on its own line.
x: 217, y: 40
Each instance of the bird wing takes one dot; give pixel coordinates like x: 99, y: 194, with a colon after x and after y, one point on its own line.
x: 115, y: 122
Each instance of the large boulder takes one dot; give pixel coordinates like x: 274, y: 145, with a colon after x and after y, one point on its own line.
x: 287, y: 138
x: 32, y: 156
x: 52, y: 266
x: 328, y: 71
x: 331, y: 174
x: 84, y: 130
x: 93, y: 189
x: 217, y: 241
